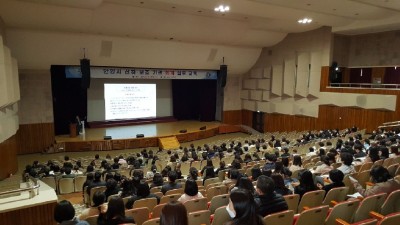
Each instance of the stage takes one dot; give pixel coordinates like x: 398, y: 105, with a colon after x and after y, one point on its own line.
x: 124, y: 137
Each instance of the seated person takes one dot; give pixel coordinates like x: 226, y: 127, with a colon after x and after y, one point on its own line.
x: 171, y: 185
x: 191, y: 191
x: 280, y: 187
x: 306, y: 183
x: 112, y: 187
x: 268, y: 201
x: 68, y: 173
x: 143, y: 191
x: 114, y: 213
x: 383, y: 182
x: 336, y: 176
x: 98, y: 199
x: 64, y: 214
x: 347, y: 160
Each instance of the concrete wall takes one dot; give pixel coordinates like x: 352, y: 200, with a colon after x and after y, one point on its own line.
x: 368, y: 50
x: 282, y: 80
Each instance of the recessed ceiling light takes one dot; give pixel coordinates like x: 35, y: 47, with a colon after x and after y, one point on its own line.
x: 222, y: 8
x: 199, y: 11
x: 305, y: 20
x: 173, y: 7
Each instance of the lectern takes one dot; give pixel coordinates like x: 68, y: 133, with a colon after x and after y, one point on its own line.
x: 73, y: 130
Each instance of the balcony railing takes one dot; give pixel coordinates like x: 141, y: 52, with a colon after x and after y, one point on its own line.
x: 365, y: 85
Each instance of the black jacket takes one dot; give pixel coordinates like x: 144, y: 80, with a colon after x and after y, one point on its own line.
x: 269, y: 204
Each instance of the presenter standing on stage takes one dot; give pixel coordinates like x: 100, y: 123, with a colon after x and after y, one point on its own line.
x: 78, y: 125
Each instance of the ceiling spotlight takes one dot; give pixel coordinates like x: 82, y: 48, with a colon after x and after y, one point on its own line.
x: 222, y: 8
x: 305, y: 21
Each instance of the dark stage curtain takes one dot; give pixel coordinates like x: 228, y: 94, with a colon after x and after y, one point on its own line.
x: 355, y: 75
x: 392, y: 76
x: 194, y: 99
x: 69, y: 99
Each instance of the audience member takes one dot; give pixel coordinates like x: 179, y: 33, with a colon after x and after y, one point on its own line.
x: 171, y: 184
x: 174, y: 213
x: 383, y: 182
x: 191, y: 191
x: 64, y: 214
x: 268, y: 200
x: 243, y: 209
x: 114, y: 213
x: 98, y: 199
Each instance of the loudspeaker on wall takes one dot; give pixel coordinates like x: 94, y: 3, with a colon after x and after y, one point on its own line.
x: 203, y: 128
x: 223, y: 72
x: 183, y: 131
x: 139, y: 135
x: 107, y: 137
x: 85, y: 70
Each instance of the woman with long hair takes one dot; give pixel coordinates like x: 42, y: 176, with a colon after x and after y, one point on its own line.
x: 174, y: 213
x: 306, y: 183
x: 191, y: 191
x: 242, y: 209
x: 280, y: 187
x: 115, y: 213
x: 297, y: 164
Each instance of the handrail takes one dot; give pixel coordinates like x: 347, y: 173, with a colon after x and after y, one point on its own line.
x: 364, y: 85
x: 33, y: 185
x: 19, y: 190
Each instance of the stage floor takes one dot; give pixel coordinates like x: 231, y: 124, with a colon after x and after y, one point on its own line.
x: 149, y: 130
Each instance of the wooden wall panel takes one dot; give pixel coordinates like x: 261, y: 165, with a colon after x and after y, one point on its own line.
x: 247, y: 118
x: 40, y: 214
x: 330, y: 117
x: 232, y: 117
x: 324, y: 82
x: 8, y: 154
x: 33, y: 138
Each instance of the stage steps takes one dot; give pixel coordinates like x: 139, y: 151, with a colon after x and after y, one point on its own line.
x: 169, y: 142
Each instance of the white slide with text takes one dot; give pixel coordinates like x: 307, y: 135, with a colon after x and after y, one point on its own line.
x: 129, y: 101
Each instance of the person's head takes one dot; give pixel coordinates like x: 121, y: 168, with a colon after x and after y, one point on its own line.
x: 384, y: 152
x: 347, y: 158
x: 222, y: 164
x: 297, y: 160
x: 67, y: 170
x: 143, y: 189
x: 116, y: 208
x: 325, y: 160
x: 89, y: 169
x: 242, y: 207
x: 98, y: 198
x: 109, y: 176
x: 336, y: 176
x: 194, y: 173
x: 306, y: 178
x: 379, y: 174
x: 245, y: 183
x: 89, y: 177
x: 255, y: 173
x: 111, y: 184
x: 97, y: 176
x: 64, y: 211
x: 174, y: 213
x: 158, y: 179
x: 285, y: 162
x: 322, y: 152
x: 233, y: 174
x: 210, y: 163
x: 265, y: 185
x: 373, y: 153
x: 66, y: 158
x: 278, y: 181
x: 172, y: 176
x: 278, y: 167
x: 191, y: 187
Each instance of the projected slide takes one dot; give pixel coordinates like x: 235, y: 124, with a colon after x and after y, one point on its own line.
x: 129, y: 101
